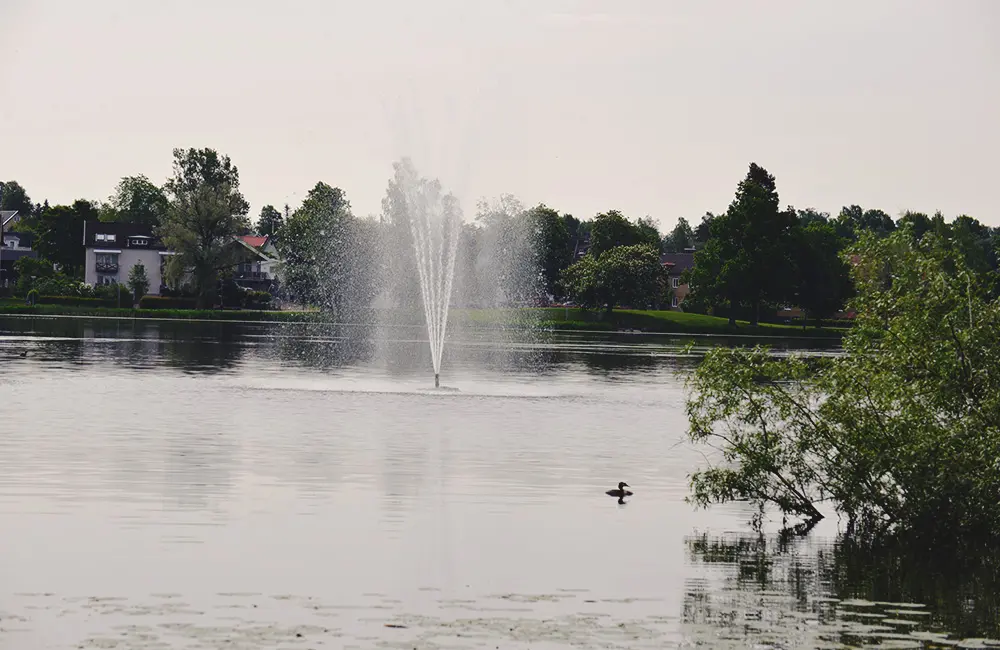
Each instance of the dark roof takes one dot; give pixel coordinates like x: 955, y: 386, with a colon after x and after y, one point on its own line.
x: 25, y: 239
x: 127, y: 235
x: 677, y: 262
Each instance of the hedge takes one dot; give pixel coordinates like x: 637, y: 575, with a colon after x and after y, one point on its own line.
x: 79, y: 301
x: 166, y: 302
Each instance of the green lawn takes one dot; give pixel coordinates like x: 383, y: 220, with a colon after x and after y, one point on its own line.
x: 667, y: 322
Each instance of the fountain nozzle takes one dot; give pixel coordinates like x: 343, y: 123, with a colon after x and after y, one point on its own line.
x: 437, y: 380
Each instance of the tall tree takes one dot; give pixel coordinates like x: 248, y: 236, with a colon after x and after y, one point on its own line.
x: 853, y: 221
x: 59, y: 232
x: 611, y: 229
x: 747, y: 259
x: 269, y: 221
x: 137, y: 200
x: 329, y: 257
x: 552, y: 244
x: 704, y: 229
x: 823, y: 280
x: 680, y: 238
x: 14, y: 197
x: 206, y: 213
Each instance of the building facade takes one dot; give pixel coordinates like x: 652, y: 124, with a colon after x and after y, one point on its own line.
x: 676, y: 264
x: 112, y: 249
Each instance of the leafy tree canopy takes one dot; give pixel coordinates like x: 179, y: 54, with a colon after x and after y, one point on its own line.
x: 901, y: 434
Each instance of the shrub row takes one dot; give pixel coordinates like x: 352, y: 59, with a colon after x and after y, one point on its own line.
x: 80, y: 301
x: 166, y: 302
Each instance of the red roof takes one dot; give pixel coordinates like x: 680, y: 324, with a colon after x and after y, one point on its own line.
x: 254, y: 240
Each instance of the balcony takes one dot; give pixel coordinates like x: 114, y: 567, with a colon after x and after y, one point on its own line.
x: 107, y: 267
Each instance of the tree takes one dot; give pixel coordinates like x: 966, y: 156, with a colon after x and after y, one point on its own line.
x: 552, y: 244
x: 704, y: 229
x: 810, y: 216
x: 823, y: 277
x: 610, y: 229
x: 59, y: 231
x: 138, y: 281
x: 269, y: 221
x: 14, y: 197
x: 330, y: 257
x: 680, y: 238
x: 206, y: 213
x: 900, y: 433
x: 629, y: 276
x: 747, y: 259
x: 137, y: 200
x: 853, y: 221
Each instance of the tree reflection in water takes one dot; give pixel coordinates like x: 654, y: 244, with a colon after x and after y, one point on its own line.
x: 805, y: 592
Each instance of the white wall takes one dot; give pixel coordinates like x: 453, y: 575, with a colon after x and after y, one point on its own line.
x: 128, y: 258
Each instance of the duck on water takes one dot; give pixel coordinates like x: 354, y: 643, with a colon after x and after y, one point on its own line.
x: 621, y: 491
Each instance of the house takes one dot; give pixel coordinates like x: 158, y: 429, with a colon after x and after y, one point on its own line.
x: 259, y: 262
x: 112, y: 249
x: 13, y: 246
x: 676, y: 264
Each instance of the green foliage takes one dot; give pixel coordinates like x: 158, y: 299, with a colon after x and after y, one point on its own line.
x: 270, y: 221
x: 551, y: 244
x: 136, y: 200
x: 328, y: 256
x: 853, y: 221
x: 83, y: 301
x: 32, y: 297
x: 14, y: 197
x: 138, y: 281
x: 901, y: 433
x: 164, y: 302
x: 206, y: 212
x: 680, y: 238
x: 748, y: 258
x: 623, y: 276
x: 59, y: 231
x: 256, y: 300
x: 823, y: 279
x: 611, y: 229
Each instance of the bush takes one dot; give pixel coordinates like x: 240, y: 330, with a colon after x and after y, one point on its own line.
x: 901, y: 433
x: 77, y: 301
x: 32, y: 297
x: 258, y: 300
x: 166, y: 302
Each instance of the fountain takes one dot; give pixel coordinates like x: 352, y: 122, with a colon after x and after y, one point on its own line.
x: 435, y: 222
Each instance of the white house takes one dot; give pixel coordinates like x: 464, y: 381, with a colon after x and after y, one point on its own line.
x: 112, y: 249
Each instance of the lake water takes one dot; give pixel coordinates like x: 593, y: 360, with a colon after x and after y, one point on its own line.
x: 204, y: 485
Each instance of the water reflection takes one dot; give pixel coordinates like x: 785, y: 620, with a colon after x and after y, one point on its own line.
x: 309, y: 459
x: 818, y: 592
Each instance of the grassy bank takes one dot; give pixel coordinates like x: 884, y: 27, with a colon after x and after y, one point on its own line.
x: 671, y: 322
x: 660, y: 322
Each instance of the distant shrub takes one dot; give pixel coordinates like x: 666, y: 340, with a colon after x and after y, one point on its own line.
x: 32, y: 297
x: 76, y: 301
x: 258, y: 300
x: 166, y: 302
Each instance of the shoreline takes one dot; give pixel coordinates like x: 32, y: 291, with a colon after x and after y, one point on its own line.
x: 631, y: 322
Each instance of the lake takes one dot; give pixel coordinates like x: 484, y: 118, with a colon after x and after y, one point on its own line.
x: 205, y: 485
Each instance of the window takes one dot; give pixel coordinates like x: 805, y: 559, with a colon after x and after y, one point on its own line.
x: 107, y: 279
x: 674, y: 302
x: 110, y: 238
x: 675, y: 282
x: 99, y: 237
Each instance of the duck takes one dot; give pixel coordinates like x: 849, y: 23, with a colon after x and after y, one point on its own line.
x: 621, y: 491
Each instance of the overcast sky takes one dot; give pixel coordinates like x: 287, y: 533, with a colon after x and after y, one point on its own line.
x: 651, y: 107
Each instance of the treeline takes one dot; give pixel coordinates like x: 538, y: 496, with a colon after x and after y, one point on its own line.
x: 749, y: 261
